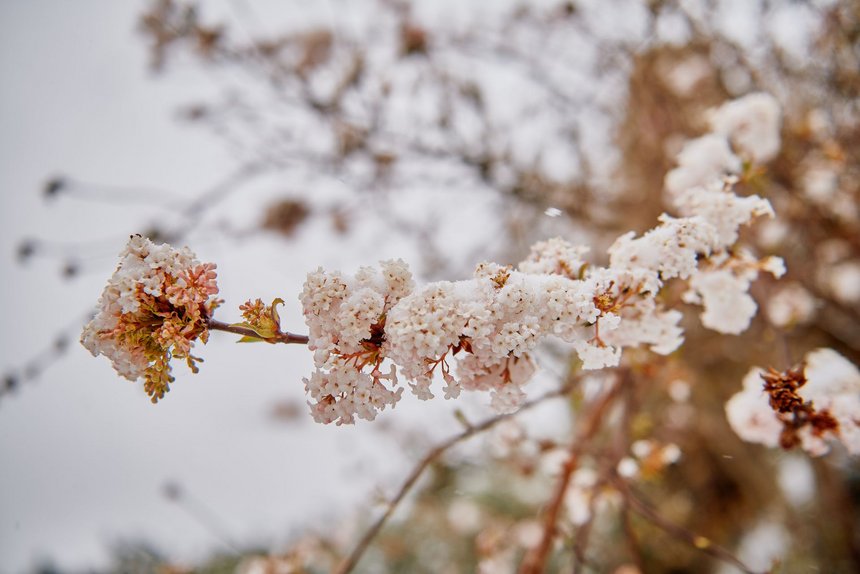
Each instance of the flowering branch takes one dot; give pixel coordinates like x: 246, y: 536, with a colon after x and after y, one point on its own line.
x: 808, y: 406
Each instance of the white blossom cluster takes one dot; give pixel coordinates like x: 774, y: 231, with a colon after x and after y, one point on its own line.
x: 832, y: 386
x: 345, y: 317
x: 488, y: 325
x: 700, y: 186
x: 493, y: 321
x: 137, y: 311
x: 746, y: 129
x: 751, y: 123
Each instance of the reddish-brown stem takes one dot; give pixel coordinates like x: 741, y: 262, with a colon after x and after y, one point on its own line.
x: 535, y: 561
x: 216, y: 325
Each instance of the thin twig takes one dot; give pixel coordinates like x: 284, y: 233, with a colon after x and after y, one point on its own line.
x: 630, y: 535
x: 623, y: 445
x: 352, y: 560
x: 279, y: 337
x: 582, y: 535
x: 535, y: 560
x: 702, y: 543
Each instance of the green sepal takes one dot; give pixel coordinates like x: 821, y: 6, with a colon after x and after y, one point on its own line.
x: 249, y: 339
x: 265, y: 332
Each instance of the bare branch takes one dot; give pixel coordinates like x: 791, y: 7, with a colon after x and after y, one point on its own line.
x: 352, y: 560
x: 702, y: 543
x: 535, y: 560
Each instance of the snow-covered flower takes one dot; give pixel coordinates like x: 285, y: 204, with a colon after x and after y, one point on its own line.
x: 156, y: 304
x: 346, y: 318
x: 701, y: 162
x: 478, y: 334
x: 801, y: 407
x: 752, y: 124
x: 749, y: 413
x: 722, y: 288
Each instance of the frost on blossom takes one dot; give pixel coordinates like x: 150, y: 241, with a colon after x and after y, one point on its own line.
x: 804, y: 406
x: 156, y: 304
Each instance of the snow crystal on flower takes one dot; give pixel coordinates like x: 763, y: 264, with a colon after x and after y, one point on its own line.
x: 669, y: 250
x: 724, y: 210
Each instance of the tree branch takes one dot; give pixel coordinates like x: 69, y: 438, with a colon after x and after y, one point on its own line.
x: 535, y: 560
x: 636, y: 504
x: 352, y: 560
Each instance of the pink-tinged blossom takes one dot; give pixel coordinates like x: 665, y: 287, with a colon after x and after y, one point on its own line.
x: 722, y: 287
x: 555, y: 257
x: 156, y: 304
x: 346, y: 317
x: 478, y: 334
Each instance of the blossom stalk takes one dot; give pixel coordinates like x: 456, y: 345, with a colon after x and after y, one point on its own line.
x: 280, y: 337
